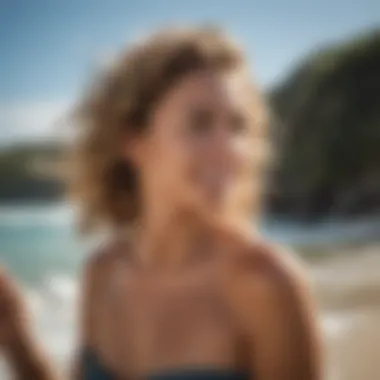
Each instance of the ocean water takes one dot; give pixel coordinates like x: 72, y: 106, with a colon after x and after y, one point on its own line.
x: 38, y: 244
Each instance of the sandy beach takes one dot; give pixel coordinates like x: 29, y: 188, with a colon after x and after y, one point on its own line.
x: 347, y: 285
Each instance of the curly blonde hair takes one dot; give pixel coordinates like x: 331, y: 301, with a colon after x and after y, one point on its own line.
x: 118, y: 106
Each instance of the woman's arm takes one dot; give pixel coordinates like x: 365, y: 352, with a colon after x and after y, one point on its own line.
x: 21, y: 348
x: 27, y: 360
x: 282, y: 323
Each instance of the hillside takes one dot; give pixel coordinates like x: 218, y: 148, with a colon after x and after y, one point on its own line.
x: 24, y: 174
x: 328, y: 116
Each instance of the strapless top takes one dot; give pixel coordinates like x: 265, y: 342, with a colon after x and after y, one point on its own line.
x: 94, y: 370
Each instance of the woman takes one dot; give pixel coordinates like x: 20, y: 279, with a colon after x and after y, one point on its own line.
x: 170, y: 161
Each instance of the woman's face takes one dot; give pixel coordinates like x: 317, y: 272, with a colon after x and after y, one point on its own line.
x: 198, y: 145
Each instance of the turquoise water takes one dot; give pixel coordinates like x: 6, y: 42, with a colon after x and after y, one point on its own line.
x: 36, y: 241
x: 39, y: 241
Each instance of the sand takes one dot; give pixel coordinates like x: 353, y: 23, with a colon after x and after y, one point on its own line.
x: 347, y: 284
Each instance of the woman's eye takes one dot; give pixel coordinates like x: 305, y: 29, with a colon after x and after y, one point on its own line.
x: 201, y: 121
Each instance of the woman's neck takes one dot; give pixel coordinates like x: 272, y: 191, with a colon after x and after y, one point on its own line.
x: 171, y: 240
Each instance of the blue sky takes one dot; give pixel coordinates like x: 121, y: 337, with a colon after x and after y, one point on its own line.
x: 48, y: 47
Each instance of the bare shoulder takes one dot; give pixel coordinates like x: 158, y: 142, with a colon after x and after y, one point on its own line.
x: 268, y: 265
x: 99, y: 268
x: 100, y: 260
x: 268, y: 279
x: 96, y: 275
x: 279, y: 278
x: 276, y: 310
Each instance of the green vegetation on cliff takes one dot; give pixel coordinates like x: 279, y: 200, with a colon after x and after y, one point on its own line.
x: 23, y: 176
x: 328, y: 116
